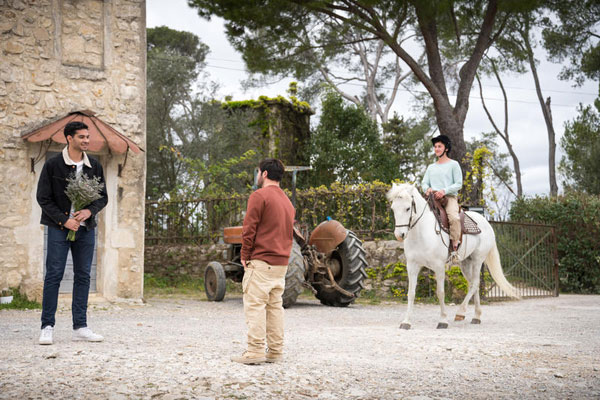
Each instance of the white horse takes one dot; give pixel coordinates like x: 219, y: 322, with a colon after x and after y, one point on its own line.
x: 427, y: 245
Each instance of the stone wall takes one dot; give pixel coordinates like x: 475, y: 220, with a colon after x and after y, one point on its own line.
x: 58, y: 56
x: 191, y: 260
x: 179, y: 260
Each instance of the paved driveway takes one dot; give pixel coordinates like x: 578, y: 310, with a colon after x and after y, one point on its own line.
x: 180, y: 349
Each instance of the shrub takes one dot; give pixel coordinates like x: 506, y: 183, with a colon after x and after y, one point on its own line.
x: 20, y: 302
x: 576, y: 217
x: 455, y: 285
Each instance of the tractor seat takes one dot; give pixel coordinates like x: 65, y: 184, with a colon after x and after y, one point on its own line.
x: 232, y: 235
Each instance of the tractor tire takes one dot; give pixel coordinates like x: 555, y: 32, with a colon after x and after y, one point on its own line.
x: 294, y: 276
x: 351, y: 256
x: 214, y: 281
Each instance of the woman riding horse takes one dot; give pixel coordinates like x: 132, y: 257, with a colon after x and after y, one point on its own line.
x: 444, y: 179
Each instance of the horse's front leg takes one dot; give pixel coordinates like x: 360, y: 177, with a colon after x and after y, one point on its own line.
x: 412, y: 270
x: 440, y: 277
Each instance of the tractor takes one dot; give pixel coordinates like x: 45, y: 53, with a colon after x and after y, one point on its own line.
x: 329, y: 261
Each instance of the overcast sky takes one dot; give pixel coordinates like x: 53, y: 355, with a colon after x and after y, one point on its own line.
x: 526, y: 123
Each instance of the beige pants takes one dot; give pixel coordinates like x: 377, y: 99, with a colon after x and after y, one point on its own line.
x: 263, y: 286
x: 453, y: 218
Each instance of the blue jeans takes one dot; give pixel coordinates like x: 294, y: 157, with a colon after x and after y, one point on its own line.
x: 82, y: 250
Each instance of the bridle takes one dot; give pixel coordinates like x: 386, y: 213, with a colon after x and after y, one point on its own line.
x: 413, y: 208
x: 410, y: 225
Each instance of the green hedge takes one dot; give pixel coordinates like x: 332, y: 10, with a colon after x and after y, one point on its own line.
x: 576, y: 217
x: 455, y: 285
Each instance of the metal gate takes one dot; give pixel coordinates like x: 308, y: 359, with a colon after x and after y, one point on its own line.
x: 529, y: 260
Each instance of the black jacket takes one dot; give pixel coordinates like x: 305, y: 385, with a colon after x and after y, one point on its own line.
x: 51, y: 192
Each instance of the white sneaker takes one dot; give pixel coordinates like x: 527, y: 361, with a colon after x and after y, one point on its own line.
x: 86, y: 335
x: 46, y: 335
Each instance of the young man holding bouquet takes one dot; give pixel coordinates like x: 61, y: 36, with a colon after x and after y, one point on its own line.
x: 67, y: 179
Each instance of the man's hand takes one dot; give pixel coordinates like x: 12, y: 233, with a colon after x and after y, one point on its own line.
x: 439, y: 194
x: 72, y: 224
x: 243, y: 263
x: 82, y: 215
x: 428, y: 192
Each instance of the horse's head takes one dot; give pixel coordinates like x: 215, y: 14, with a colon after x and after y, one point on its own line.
x: 402, y: 196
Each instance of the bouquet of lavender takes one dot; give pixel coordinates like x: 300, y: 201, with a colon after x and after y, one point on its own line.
x: 82, y: 191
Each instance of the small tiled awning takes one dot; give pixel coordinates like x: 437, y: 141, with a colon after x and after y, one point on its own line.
x: 101, y: 134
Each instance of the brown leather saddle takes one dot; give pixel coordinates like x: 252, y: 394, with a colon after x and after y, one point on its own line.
x: 467, y: 224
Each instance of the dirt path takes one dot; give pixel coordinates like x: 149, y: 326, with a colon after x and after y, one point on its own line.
x: 180, y: 349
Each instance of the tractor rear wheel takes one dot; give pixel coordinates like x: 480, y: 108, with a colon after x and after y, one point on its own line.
x: 294, y: 276
x: 214, y: 281
x: 348, y: 265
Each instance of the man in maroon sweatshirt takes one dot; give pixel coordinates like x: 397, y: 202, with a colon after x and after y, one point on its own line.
x: 266, y: 245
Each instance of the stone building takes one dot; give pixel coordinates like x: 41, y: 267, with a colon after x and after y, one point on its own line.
x: 282, y: 124
x: 58, y: 56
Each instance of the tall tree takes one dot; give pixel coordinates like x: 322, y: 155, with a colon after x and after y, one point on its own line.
x: 573, y: 32
x: 450, y: 32
x: 504, y: 132
x: 581, y: 143
x: 516, y: 51
x: 406, y: 142
x: 174, y: 61
x: 324, y: 53
x: 346, y: 146
x: 524, y: 31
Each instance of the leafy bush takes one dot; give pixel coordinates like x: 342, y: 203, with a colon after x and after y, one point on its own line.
x: 20, y: 302
x: 576, y: 217
x: 361, y: 208
x: 455, y: 285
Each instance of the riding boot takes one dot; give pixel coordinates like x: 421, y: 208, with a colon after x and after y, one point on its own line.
x: 453, y: 258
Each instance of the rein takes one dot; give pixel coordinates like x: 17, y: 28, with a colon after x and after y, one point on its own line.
x: 413, y: 207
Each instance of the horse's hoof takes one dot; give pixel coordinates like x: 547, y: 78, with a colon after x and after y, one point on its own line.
x: 459, y: 317
x: 405, y: 326
x: 442, y: 325
x: 475, y: 321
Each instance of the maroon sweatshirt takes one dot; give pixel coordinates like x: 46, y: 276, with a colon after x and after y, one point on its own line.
x: 268, y: 226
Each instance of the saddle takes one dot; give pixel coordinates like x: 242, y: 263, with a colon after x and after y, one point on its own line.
x: 467, y: 224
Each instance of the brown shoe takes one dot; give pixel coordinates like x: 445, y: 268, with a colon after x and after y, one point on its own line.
x: 249, y: 358
x: 274, y: 357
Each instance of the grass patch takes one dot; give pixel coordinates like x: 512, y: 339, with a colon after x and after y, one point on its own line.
x: 20, y: 302
x: 180, y: 286
x: 155, y: 285
x: 368, y: 297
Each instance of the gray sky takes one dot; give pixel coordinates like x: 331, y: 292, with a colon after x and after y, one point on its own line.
x: 526, y: 123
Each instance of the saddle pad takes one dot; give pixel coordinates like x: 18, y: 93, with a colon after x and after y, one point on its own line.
x: 468, y: 225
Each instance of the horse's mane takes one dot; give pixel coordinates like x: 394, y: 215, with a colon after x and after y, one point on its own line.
x: 399, y: 190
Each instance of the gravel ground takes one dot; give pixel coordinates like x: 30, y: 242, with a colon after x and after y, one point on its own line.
x: 180, y: 349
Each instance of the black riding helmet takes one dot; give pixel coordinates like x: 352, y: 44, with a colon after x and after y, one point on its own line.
x: 445, y: 140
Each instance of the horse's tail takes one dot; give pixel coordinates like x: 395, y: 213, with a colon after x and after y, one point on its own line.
x: 493, y: 263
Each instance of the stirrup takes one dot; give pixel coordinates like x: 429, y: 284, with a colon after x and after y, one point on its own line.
x: 453, y: 258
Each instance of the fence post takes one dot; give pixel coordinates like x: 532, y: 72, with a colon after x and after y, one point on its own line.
x: 555, y: 256
x: 372, y: 216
